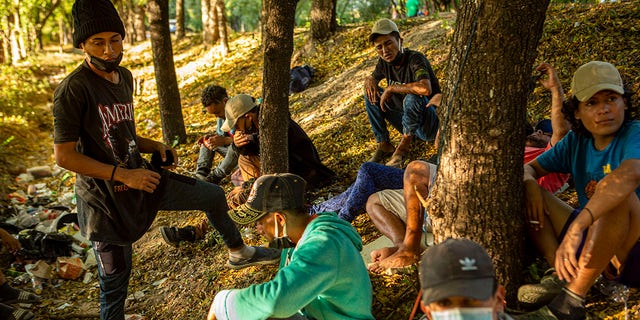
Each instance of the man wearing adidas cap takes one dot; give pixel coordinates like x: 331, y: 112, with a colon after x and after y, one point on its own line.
x: 322, y: 274
x: 458, y: 282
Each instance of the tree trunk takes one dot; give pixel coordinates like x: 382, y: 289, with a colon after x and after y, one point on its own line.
x: 215, y: 21
x: 140, y: 26
x: 222, y: 28
x: 207, y: 24
x: 173, y: 129
x: 279, y: 19
x: 323, y: 19
x: 179, y: 19
x: 478, y: 190
x: 127, y: 14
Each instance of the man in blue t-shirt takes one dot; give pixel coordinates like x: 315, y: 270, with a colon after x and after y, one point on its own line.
x: 602, y: 154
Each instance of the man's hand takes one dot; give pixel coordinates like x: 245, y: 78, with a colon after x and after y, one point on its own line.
x: 551, y: 81
x: 435, y: 100
x: 214, y: 141
x: 371, y: 89
x: 535, y: 206
x: 386, y: 95
x: 241, y: 139
x: 140, y: 179
x: 163, y: 148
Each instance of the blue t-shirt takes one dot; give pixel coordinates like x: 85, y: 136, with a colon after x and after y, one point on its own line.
x: 576, y: 154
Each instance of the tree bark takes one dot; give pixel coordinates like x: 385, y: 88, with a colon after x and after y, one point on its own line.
x: 478, y: 189
x: 179, y: 19
x: 166, y: 83
x: 207, y: 23
x: 274, y: 114
x: 323, y: 19
x: 141, y: 28
x: 222, y: 28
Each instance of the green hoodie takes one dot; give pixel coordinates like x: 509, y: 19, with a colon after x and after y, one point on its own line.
x: 325, y: 278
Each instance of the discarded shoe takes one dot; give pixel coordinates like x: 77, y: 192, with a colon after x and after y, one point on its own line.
x: 380, y: 155
x: 534, y: 296
x: 260, y: 257
x: 175, y: 235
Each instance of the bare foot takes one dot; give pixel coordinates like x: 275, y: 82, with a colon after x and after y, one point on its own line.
x: 399, y: 259
x: 382, y: 253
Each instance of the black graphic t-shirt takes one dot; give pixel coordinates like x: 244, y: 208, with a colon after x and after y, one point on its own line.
x: 414, y: 67
x: 99, y: 116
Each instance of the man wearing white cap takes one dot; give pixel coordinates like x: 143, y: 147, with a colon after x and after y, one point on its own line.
x: 407, y: 102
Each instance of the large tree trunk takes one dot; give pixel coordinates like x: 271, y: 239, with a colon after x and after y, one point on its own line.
x: 173, y: 129
x: 274, y: 114
x: 222, y: 28
x: 323, y: 19
x: 179, y: 19
x: 478, y: 190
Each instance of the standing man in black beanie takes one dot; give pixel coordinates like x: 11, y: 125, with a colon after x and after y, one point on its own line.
x: 118, y: 192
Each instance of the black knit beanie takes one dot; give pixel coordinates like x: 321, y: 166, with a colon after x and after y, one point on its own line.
x: 94, y: 16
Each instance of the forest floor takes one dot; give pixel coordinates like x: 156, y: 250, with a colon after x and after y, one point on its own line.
x: 179, y: 283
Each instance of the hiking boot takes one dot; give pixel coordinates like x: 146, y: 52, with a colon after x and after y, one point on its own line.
x: 174, y: 235
x: 533, y: 296
x: 380, y: 155
x: 201, y: 176
x: 260, y: 257
x: 213, y: 178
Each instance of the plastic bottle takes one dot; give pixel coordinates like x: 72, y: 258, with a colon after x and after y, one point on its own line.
x: 37, y: 284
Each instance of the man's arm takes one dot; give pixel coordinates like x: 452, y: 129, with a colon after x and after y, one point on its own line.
x: 67, y: 157
x: 421, y: 87
x: 559, y: 124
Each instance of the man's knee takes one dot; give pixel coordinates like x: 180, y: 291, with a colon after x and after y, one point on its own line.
x: 372, y: 203
x: 417, y: 170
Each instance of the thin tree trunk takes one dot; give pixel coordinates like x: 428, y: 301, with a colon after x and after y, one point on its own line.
x: 141, y: 28
x: 207, y: 29
x: 274, y: 114
x: 173, y: 129
x: 478, y: 191
x: 179, y: 19
x: 222, y: 28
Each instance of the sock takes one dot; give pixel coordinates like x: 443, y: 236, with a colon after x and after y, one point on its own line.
x: 245, y: 253
x: 7, y: 292
x: 568, y: 305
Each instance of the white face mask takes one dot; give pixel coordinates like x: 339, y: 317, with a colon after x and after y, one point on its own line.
x: 463, y: 314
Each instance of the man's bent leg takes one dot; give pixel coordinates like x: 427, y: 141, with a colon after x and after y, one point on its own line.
x: 203, y: 165
x: 114, y: 270
x: 184, y: 193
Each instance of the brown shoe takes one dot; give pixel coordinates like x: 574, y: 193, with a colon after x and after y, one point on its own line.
x: 380, y: 155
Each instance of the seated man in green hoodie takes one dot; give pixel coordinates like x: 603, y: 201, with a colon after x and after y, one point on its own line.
x: 320, y: 265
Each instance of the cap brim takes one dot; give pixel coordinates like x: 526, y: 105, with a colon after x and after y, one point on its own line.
x: 479, y: 289
x: 585, y: 94
x: 373, y: 36
x: 245, y: 214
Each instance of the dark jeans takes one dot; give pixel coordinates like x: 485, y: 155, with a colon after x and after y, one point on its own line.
x: 181, y: 193
x: 412, y: 118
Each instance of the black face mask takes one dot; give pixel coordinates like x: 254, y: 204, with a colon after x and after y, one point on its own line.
x: 398, y: 59
x: 106, y: 66
x: 283, y: 242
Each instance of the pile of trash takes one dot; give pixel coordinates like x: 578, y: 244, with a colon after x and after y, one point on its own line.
x: 44, y: 222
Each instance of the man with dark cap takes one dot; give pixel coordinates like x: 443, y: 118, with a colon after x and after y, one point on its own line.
x: 322, y: 275
x: 458, y: 282
x: 408, y: 102
x: 118, y: 192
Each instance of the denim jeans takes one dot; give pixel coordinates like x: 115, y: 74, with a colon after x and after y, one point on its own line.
x: 181, y: 193
x: 412, y: 118
x: 224, y: 168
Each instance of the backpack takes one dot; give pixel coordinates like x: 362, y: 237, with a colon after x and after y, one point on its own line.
x: 300, y: 78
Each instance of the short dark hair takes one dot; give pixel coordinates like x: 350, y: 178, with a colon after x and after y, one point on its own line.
x: 570, y: 106
x: 393, y: 34
x: 213, y: 94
